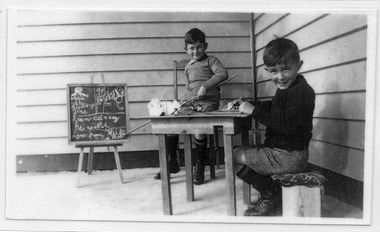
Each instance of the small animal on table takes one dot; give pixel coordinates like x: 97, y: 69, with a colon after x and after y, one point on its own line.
x: 160, y: 108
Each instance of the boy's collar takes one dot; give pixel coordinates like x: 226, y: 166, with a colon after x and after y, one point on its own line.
x: 201, y: 59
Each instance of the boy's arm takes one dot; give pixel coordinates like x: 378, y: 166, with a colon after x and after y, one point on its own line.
x: 247, y: 107
x: 299, y: 107
x: 220, y: 73
x: 266, y: 105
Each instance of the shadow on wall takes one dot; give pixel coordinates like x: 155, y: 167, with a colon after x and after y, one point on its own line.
x: 330, y: 150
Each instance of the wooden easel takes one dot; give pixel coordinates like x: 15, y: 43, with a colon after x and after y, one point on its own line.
x: 93, y: 76
x: 91, y: 147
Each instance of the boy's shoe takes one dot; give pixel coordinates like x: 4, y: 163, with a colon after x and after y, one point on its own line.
x: 199, y: 173
x: 265, y: 207
x: 173, y: 168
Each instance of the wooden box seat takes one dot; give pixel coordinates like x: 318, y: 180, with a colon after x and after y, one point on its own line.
x: 301, y: 193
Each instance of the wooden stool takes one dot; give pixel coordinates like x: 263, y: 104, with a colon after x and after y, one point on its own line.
x: 301, y: 193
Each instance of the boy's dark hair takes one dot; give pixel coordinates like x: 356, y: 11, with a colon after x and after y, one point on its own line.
x: 280, y: 51
x: 195, y: 35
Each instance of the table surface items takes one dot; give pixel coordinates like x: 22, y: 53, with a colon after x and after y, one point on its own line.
x: 201, y: 123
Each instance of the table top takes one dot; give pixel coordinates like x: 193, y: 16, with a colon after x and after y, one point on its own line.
x: 201, y: 123
x: 209, y: 114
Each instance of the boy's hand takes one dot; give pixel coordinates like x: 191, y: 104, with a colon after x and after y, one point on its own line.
x: 237, y: 102
x: 246, y: 108
x: 202, y: 91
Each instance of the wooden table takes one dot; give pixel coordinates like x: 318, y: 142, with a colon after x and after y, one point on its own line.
x: 233, y: 123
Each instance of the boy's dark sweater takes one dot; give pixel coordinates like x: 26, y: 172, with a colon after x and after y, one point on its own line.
x: 288, y: 117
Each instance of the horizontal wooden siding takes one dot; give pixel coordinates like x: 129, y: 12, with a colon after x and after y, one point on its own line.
x: 54, y: 48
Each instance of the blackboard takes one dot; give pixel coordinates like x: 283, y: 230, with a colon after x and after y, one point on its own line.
x: 97, y: 113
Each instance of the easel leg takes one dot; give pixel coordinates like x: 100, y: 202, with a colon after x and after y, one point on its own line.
x: 80, y: 162
x: 118, y: 165
x: 90, y: 161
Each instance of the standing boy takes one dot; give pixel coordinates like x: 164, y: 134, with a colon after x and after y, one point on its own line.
x: 288, y: 120
x: 203, y: 73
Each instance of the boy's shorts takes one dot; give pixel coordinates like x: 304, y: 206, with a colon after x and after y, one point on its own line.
x: 208, y: 103
x: 269, y: 161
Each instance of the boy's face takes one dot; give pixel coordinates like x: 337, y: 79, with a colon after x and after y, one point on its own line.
x: 196, y: 50
x: 283, y: 75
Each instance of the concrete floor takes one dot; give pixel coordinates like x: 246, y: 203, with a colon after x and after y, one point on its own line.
x: 101, y: 197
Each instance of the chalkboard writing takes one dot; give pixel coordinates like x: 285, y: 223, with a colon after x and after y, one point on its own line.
x: 97, y: 112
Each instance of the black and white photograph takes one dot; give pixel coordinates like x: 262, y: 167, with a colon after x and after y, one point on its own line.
x: 199, y: 118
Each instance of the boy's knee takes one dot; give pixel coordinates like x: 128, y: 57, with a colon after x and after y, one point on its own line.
x: 200, y: 136
x: 238, y: 155
x: 239, y: 150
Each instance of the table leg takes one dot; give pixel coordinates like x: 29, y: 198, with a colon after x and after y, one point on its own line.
x: 245, y: 138
x: 246, y: 194
x: 230, y: 175
x: 165, y: 177
x: 216, y: 145
x: 211, y: 156
x: 188, y: 168
x: 246, y: 187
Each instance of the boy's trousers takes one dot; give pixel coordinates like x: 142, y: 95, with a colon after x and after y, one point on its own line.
x: 263, y: 162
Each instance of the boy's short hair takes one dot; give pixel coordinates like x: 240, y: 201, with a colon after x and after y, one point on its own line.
x: 195, y: 35
x: 281, y: 51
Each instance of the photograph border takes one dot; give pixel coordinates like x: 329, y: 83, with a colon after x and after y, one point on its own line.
x: 371, y: 173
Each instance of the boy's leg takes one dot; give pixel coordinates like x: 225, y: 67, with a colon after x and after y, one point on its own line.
x: 201, y: 152
x: 260, y: 163
x: 174, y: 167
x: 210, y: 103
x: 270, y: 193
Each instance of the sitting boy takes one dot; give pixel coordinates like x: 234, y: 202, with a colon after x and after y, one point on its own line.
x: 203, y: 72
x: 288, y: 120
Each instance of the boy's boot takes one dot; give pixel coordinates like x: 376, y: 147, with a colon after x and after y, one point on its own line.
x: 201, y: 152
x: 270, y: 199
x: 268, y: 204
x: 174, y: 167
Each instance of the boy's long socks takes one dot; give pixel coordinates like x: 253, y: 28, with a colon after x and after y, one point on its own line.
x: 200, y: 159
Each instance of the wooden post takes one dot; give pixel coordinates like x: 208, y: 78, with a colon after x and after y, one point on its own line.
x: 175, y: 80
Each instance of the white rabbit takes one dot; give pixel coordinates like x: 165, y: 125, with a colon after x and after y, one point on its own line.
x: 159, y: 108
x: 170, y: 107
x: 154, y: 107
